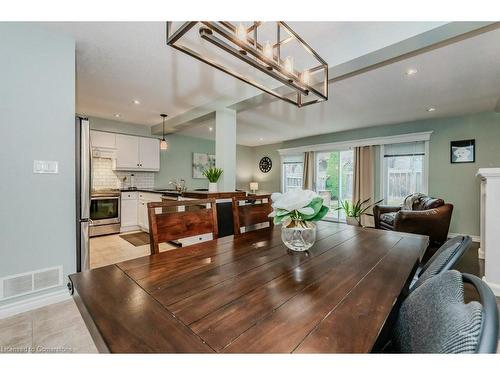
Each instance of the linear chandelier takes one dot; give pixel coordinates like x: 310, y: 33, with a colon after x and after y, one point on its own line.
x: 296, y: 75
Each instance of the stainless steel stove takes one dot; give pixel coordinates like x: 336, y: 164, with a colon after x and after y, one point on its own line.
x: 105, y: 216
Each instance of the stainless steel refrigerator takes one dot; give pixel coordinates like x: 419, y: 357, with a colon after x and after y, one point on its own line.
x: 83, y: 188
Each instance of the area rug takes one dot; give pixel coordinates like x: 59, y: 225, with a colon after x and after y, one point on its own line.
x: 136, y: 238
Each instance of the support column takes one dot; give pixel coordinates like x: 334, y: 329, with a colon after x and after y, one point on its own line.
x: 225, y: 148
x: 490, y: 222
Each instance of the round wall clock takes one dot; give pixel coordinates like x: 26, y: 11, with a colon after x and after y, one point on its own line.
x: 265, y: 164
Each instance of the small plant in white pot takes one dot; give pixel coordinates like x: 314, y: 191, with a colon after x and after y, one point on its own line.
x: 354, y: 210
x: 213, y: 175
x: 297, y: 211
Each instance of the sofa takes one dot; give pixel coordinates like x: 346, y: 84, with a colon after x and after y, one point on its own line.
x: 429, y: 216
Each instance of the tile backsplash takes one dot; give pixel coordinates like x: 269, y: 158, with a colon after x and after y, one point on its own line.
x: 104, y: 177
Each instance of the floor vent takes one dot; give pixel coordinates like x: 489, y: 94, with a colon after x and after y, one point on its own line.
x: 30, y: 282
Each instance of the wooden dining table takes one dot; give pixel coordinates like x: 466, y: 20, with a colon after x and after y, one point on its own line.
x: 250, y: 294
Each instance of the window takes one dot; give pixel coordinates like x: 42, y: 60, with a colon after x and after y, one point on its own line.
x: 403, y: 171
x: 334, y: 180
x: 293, y: 169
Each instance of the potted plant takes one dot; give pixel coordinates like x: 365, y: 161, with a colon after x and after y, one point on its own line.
x: 212, y: 174
x: 354, y: 210
x: 297, y: 211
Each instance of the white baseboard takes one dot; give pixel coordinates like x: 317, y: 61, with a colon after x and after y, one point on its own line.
x: 480, y: 253
x: 494, y: 287
x: 474, y: 238
x: 33, y: 303
x: 131, y: 228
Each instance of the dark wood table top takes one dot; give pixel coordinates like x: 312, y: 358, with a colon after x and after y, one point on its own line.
x: 249, y: 294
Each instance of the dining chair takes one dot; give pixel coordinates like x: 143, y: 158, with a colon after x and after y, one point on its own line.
x: 435, y: 318
x: 174, y: 220
x: 443, y: 260
x: 250, y: 211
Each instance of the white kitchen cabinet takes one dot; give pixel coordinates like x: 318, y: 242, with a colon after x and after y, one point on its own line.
x: 149, y: 153
x: 102, y: 139
x: 137, y: 153
x: 129, y: 211
x: 127, y: 152
x: 144, y: 199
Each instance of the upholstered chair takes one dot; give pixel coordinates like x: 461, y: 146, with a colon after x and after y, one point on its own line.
x: 435, y: 318
x: 429, y: 216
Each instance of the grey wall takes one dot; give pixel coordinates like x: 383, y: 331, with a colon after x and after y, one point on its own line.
x: 176, y: 162
x: 456, y: 183
x: 244, y: 167
x: 37, y: 121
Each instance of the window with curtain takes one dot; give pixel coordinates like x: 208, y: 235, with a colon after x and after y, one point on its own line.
x: 334, y: 180
x: 403, y: 171
x: 292, y: 172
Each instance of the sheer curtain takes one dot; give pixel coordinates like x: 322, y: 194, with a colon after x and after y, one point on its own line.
x: 364, y: 179
x: 308, y: 177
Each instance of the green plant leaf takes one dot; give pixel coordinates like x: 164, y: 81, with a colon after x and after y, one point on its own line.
x: 316, y: 205
x: 321, y: 214
x: 212, y: 174
x: 279, y: 219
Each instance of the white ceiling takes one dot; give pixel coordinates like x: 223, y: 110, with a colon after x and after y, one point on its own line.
x: 118, y: 62
x: 460, y: 78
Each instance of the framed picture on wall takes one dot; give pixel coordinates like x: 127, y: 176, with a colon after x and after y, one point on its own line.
x: 202, y: 162
x: 463, y: 151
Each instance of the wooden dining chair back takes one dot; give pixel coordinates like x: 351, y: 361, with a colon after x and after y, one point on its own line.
x: 251, y: 211
x: 173, y: 220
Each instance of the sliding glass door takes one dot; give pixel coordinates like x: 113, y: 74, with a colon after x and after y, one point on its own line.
x: 334, y: 180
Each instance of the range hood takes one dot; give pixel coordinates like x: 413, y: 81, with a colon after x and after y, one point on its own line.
x: 104, y: 152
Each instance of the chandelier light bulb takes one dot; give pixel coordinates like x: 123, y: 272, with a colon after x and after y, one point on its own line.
x: 241, y: 32
x: 305, y: 77
x: 289, y: 64
x: 163, y: 144
x: 268, y: 50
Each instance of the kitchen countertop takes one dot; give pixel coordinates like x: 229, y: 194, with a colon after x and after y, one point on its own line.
x: 190, y: 193
x: 153, y: 190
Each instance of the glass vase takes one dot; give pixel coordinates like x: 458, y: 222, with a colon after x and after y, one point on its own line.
x: 299, y: 235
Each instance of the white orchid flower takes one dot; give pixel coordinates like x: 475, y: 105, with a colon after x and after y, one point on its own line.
x: 296, y: 200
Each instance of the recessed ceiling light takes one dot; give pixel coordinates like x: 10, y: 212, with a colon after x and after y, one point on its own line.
x: 261, y: 139
x: 411, y: 72
x: 210, y: 128
x: 431, y: 109
x: 117, y: 115
x: 136, y: 101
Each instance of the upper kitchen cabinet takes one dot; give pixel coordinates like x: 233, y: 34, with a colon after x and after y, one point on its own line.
x: 102, y: 139
x: 149, y: 153
x: 137, y: 153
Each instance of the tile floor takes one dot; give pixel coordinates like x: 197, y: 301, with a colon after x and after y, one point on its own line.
x: 59, y: 328
x: 105, y: 250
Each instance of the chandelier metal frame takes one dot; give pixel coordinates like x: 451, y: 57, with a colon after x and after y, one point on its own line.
x: 219, y: 33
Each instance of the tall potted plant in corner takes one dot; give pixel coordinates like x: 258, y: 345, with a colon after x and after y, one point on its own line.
x: 297, y: 211
x: 213, y: 175
x: 354, y: 210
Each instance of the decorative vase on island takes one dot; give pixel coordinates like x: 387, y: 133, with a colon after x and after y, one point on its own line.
x: 212, y: 187
x: 299, y: 235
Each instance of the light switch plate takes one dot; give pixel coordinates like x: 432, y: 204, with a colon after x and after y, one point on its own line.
x: 45, y: 166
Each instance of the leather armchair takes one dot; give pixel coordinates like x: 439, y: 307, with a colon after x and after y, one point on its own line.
x: 430, y: 217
